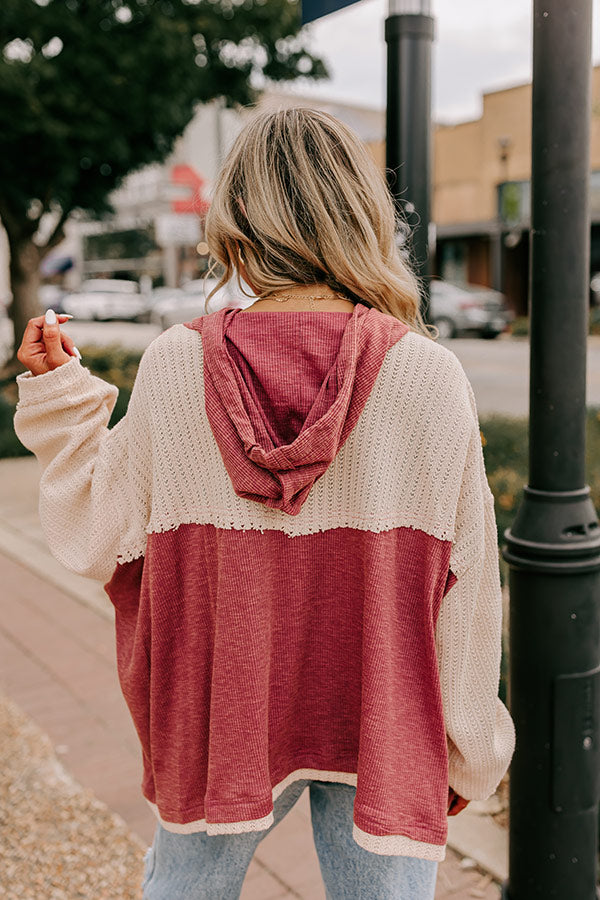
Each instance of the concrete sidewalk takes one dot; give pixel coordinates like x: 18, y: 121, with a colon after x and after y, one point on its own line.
x: 57, y: 663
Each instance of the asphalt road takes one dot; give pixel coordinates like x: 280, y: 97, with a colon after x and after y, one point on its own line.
x: 497, y: 369
x: 499, y: 372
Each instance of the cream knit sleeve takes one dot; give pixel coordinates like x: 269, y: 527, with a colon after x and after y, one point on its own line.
x: 479, y: 728
x: 95, y: 482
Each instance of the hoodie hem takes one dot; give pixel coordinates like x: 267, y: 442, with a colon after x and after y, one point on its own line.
x: 397, y: 845
x: 252, y: 824
x: 383, y: 845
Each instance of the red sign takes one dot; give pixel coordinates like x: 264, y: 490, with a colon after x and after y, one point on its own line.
x: 195, y: 202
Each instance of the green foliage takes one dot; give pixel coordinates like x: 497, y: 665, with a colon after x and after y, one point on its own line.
x: 10, y: 445
x: 519, y: 327
x: 116, y: 365
x: 112, y: 363
x: 505, y: 450
x: 504, y: 440
x: 593, y: 455
x: 131, y: 244
x: 92, y: 91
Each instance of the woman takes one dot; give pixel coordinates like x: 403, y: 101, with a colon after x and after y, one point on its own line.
x: 297, y: 535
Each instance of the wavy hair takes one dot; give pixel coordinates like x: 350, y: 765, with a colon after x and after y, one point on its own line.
x: 300, y: 200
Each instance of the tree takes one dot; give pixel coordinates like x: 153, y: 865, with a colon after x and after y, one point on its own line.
x: 91, y: 90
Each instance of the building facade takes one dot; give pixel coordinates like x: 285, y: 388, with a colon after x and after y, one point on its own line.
x: 156, y: 234
x: 482, y: 194
x: 481, y: 197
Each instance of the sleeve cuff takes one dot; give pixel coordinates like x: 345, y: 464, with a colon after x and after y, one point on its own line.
x: 63, y: 379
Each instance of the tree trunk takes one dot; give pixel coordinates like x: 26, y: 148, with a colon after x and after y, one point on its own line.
x: 25, y: 257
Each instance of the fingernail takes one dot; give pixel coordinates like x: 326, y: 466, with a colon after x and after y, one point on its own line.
x: 66, y: 316
x: 76, y: 351
x: 50, y: 317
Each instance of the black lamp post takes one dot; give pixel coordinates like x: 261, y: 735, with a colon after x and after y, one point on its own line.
x: 553, y: 545
x: 409, y: 32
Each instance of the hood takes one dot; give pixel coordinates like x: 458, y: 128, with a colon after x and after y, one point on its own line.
x: 283, y: 391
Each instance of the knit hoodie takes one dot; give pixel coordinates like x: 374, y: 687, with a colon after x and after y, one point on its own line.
x: 296, y: 532
x: 284, y: 391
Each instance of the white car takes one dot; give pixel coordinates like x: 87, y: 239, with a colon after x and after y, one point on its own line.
x: 467, y: 308
x: 106, y: 298
x: 187, y: 303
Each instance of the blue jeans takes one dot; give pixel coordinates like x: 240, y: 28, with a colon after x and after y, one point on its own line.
x: 213, y: 867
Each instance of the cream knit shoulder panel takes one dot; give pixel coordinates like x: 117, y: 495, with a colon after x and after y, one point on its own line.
x: 401, y: 466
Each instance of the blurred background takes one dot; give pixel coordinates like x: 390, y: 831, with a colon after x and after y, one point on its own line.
x: 116, y: 115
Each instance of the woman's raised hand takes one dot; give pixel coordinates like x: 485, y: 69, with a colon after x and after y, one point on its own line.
x: 44, y: 347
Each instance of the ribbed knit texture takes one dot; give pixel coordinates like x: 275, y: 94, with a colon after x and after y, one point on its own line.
x: 401, y: 517
x: 263, y: 465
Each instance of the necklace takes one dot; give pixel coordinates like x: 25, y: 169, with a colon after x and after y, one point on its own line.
x: 283, y: 298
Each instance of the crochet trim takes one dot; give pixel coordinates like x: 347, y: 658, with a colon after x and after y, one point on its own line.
x: 397, y: 845
x: 252, y: 824
x: 386, y: 845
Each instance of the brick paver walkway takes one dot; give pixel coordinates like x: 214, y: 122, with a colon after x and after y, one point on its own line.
x: 57, y: 662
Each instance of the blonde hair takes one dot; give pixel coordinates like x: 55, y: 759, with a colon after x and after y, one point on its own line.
x: 300, y: 200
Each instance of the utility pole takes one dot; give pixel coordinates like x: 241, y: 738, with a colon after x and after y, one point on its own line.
x: 409, y: 31
x: 553, y: 545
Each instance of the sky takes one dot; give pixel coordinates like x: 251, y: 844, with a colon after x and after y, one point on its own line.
x: 480, y: 45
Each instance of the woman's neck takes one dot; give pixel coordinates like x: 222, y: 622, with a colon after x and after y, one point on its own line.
x: 303, y: 297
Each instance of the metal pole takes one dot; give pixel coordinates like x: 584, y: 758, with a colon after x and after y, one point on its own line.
x: 553, y: 546
x: 409, y: 36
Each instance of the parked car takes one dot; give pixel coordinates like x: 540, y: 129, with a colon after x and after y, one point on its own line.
x: 103, y: 299
x: 458, y: 309
x: 187, y: 303
x: 454, y: 309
